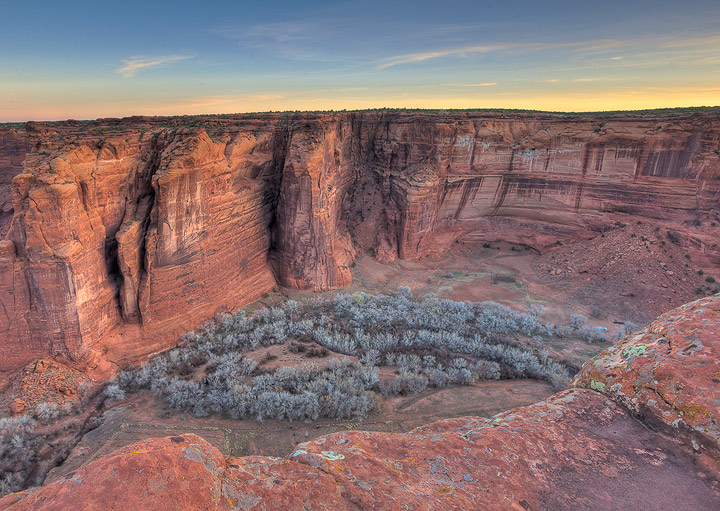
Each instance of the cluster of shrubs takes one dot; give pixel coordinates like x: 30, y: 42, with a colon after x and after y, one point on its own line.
x: 24, y: 441
x: 18, y: 445
x: 233, y: 386
x: 430, y: 342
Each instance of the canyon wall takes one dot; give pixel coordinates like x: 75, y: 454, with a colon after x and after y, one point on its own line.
x: 12, y: 156
x: 125, y: 233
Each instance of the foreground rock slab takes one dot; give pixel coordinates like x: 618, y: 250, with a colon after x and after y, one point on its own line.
x: 669, y: 373
x: 576, y: 450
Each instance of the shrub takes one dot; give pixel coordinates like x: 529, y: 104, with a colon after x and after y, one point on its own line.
x: 487, y: 370
x: 47, y: 412
x: 19, y: 443
x: 536, y: 310
x: 577, y: 321
x: 430, y: 342
x: 630, y: 327
x: 404, y: 292
x: 597, y: 313
x: 406, y: 382
x: 370, y: 358
x: 318, y: 352
x: 114, y: 393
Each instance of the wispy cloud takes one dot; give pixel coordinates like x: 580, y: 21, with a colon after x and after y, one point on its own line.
x: 676, y: 90
x: 471, y: 50
x: 348, y: 89
x: 268, y: 33
x: 689, y: 48
x: 302, y: 40
x: 579, y: 80
x: 208, y: 101
x: 338, y: 38
x: 428, y: 55
x: 134, y: 64
x: 484, y: 84
x: 264, y: 97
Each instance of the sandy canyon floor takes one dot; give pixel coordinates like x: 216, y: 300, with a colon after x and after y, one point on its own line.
x: 611, y: 279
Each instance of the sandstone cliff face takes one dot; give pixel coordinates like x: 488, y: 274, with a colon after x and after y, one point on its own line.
x: 126, y: 233
x: 454, y: 176
x: 12, y: 156
x: 314, y: 251
x: 579, y: 449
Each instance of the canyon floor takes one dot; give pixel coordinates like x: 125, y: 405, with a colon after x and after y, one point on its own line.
x: 514, y: 275
x: 140, y: 418
x: 582, y: 448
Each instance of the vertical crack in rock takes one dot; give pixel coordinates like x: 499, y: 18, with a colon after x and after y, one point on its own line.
x: 281, y: 144
x: 13, y: 144
x: 641, y: 161
x: 474, y: 147
x: 468, y: 187
x: 587, y: 152
x: 500, y: 195
x: 130, y: 241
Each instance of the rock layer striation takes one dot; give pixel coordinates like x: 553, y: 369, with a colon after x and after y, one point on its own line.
x: 126, y: 233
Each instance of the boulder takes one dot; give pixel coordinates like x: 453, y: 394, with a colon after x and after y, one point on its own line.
x: 668, y: 374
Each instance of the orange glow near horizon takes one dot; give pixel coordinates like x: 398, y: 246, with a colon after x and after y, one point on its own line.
x: 324, y: 55
x: 578, y: 102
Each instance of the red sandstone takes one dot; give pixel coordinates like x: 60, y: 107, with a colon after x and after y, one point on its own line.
x: 127, y: 233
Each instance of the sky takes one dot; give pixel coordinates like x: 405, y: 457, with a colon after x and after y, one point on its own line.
x: 90, y: 59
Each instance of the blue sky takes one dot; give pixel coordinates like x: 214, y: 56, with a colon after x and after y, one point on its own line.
x: 79, y: 59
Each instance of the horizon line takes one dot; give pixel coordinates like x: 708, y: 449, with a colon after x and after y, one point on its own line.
x: 706, y: 108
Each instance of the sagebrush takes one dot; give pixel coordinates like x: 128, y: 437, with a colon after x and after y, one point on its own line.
x: 430, y: 342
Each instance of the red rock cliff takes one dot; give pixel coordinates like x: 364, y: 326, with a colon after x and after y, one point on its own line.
x: 126, y: 233
x: 12, y: 156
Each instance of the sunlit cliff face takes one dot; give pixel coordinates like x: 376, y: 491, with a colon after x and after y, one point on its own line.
x: 116, y: 226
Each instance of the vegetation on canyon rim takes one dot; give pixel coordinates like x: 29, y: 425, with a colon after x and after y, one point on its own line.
x: 428, y: 342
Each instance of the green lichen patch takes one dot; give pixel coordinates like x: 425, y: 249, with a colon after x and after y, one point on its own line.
x: 635, y: 351
x: 597, y: 385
